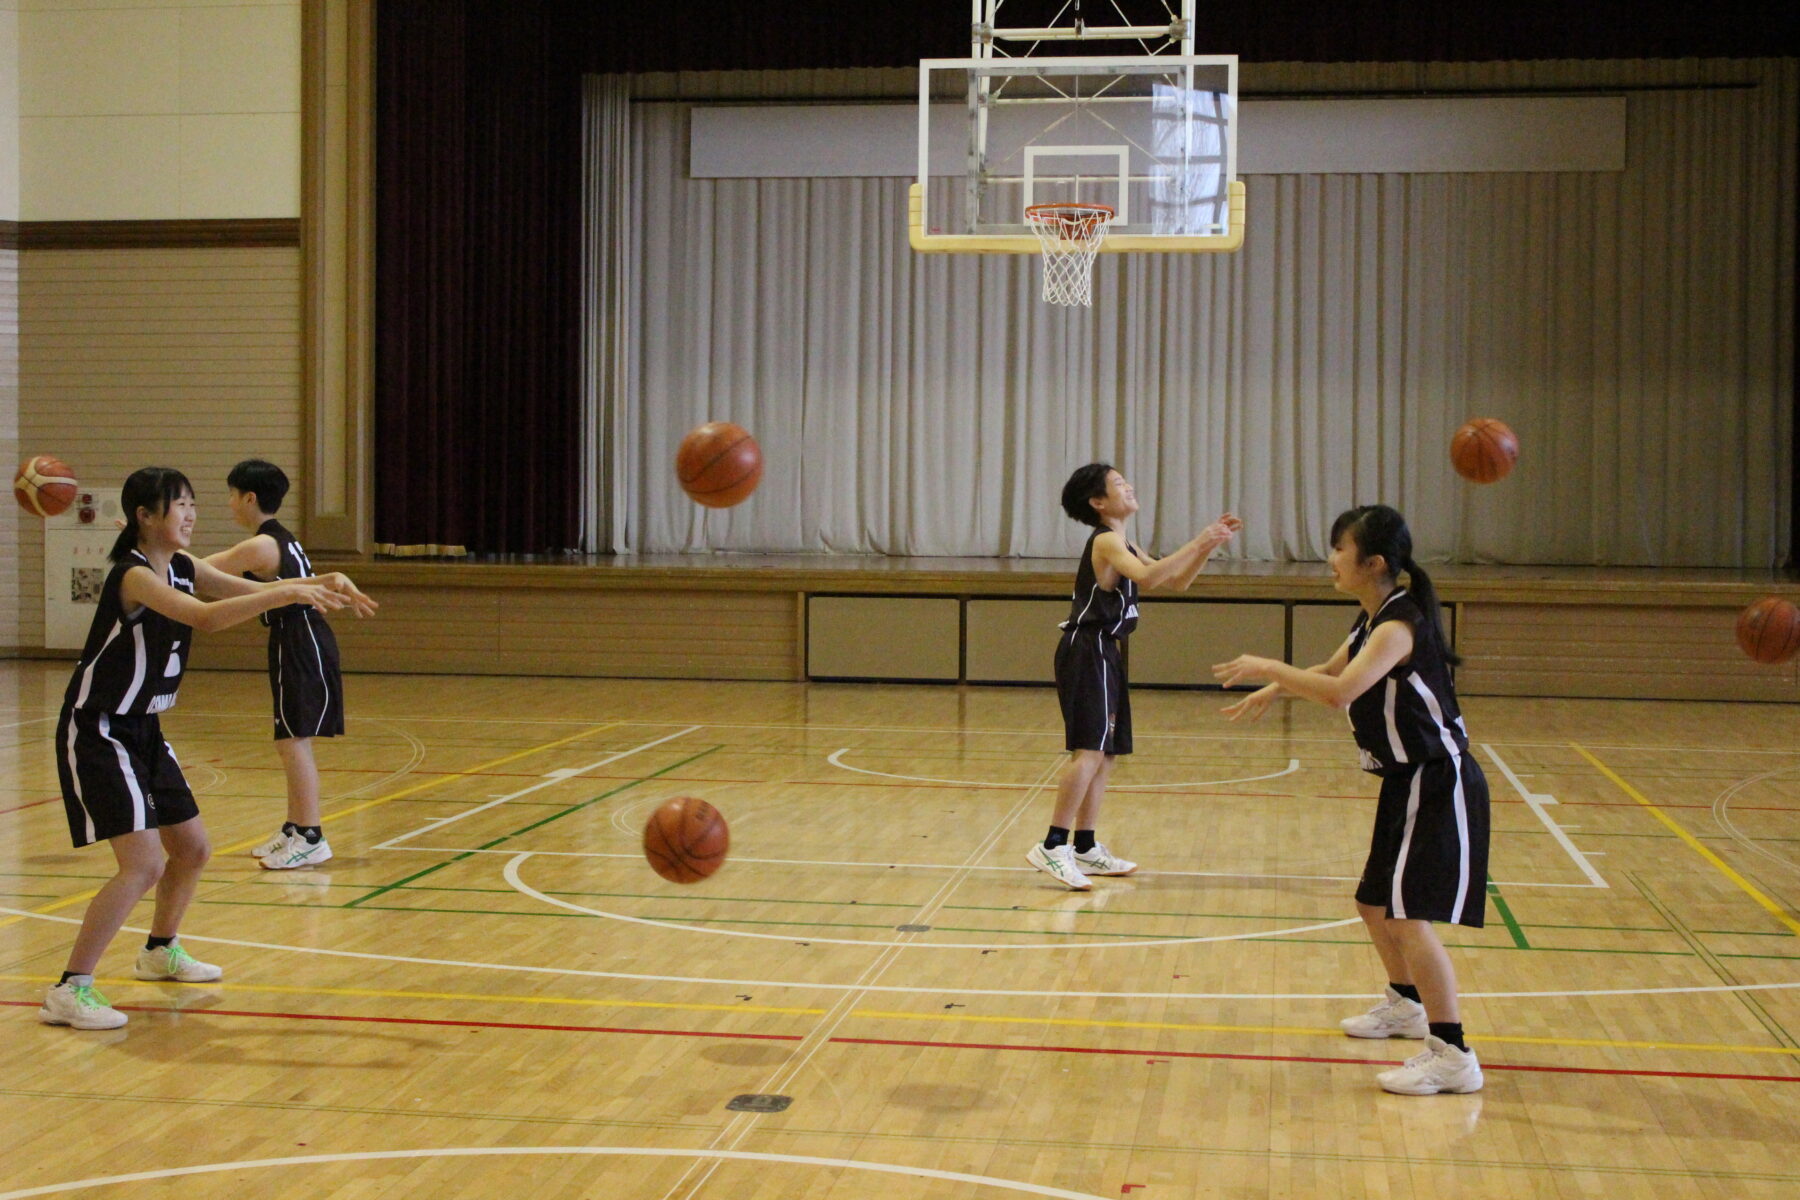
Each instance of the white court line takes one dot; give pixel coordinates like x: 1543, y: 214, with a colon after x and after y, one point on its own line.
x: 834, y: 760
x: 1721, y: 811
x: 1536, y: 802
x: 551, y: 778
x: 511, y: 874
x: 31, y: 721
x: 313, y: 1160
x: 934, y: 990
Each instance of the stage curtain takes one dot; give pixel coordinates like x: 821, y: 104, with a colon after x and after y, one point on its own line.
x: 477, y: 363
x: 1635, y: 327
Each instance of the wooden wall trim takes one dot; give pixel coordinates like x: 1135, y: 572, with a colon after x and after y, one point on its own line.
x: 223, y: 233
x: 9, y: 235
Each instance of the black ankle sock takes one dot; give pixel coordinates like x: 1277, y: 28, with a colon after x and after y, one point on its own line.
x: 1084, y: 840
x: 157, y: 943
x: 1407, y: 990
x: 1058, y: 836
x: 288, y: 827
x: 1449, y: 1031
x: 312, y: 833
x: 67, y: 975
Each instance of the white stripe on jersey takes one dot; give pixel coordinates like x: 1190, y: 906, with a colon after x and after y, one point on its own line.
x: 130, y: 776
x: 139, y: 665
x: 1393, y: 730
x: 1397, y: 901
x: 1105, y: 694
x: 280, y: 691
x: 1462, y: 811
x: 87, y: 676
x: 87, y: 818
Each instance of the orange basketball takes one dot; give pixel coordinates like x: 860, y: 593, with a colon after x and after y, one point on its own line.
x: 44, y: 485
x: 1769, y: 630
x: 686, y: 840
x: 719, y: 464
x: 1484, y: 450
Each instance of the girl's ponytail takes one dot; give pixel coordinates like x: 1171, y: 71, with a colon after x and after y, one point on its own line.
x: 1419, y: 587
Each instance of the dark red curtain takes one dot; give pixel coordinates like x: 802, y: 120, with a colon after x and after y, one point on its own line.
x: 478, y: 187
x: 478, y: 255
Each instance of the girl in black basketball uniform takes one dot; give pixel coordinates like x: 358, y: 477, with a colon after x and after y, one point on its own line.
x: 1428, y: 856
x: 120, y: 781
x: 1090, y: 669
x: 304, y: 681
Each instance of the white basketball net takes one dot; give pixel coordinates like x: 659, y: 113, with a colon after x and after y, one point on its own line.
x: 1070, y: 235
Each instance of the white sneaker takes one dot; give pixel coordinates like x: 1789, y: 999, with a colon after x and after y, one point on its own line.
x: 78, y: 1005
x: 270, y: 844
x: 296, y: 851
x: 1440, y: 1067
x: 1395, y: 1016
x: 172, y: 962
x: 1059, y: 864
x: 1101, y: 861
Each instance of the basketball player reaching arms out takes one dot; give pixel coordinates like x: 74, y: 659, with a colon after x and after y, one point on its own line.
x: 307, y: 690
x: 1428, y: 855
x: 120, y: 781
x: 1090, y: 668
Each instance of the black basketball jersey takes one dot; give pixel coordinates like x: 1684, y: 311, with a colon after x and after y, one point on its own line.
x: 132, y: 665
x: 293, y: 565
x: 1411, y: 715
x: 1114, y: 613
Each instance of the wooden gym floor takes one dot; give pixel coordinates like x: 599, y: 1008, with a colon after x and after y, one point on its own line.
x: 488, y: 993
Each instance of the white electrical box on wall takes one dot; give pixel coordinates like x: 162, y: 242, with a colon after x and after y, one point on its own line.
x: 75, y: 566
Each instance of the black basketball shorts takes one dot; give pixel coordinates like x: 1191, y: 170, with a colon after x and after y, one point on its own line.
x: 118, y: 776
x: 1090, y: 683
x: 1428, y: 854
x: 304, y: 681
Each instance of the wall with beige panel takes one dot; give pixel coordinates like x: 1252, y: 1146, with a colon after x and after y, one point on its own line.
x: 9, y: 110
x: 140, y: 110
x: 127, y: 358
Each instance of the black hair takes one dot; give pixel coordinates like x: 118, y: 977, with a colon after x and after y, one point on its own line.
x: 1086, y: 484
x: 154, y: 488
x: 268, y: 481
x: 1378, y: 529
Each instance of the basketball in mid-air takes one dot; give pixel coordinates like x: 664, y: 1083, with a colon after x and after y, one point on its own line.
x: 1769, y: 630
x: 719, y: 464
x: 1484, y: 450
x: 44, y: 485
x: 686, y: 840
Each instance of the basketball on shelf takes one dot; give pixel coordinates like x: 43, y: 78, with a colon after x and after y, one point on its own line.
x: 1484, y: 450
x: 44, y: 485
x: 719, y: 464
x: 686, y: 840
x: 1769, y: 630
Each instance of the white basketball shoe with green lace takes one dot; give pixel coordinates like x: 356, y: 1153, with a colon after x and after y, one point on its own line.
x: 79, y: 1005
x: 172, y: 962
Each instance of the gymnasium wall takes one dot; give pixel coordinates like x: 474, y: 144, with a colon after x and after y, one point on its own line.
x: 159, y: 269
x: 10, y: 517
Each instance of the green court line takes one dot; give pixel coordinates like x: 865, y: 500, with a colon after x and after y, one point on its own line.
x: 1608, y: 928
x: 1500, y: 906
x: 534, y: 825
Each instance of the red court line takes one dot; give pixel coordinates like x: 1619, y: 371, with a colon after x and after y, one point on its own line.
x: 855, y: 1041
x: 33, y: 804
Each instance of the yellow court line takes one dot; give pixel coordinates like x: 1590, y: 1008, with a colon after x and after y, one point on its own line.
x: 873, y: 1014
x: 431, y: 783
x: 1750, y: 889
x: 336, y: 814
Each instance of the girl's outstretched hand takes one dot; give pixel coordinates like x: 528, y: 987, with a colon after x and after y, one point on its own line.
x: 1245, y: 668
x: 340, y: 583
x: 1252, y: 706
x: 317, y: 596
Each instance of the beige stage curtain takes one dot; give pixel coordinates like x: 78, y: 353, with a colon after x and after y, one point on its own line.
x: 1635, y: 328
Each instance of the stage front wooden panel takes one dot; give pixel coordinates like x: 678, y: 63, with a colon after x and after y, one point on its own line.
x: 560, y: 631
x: 1522, y: 631
x: 884, y: 637
x: 1013, y: 641
x: 1673, y: 653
